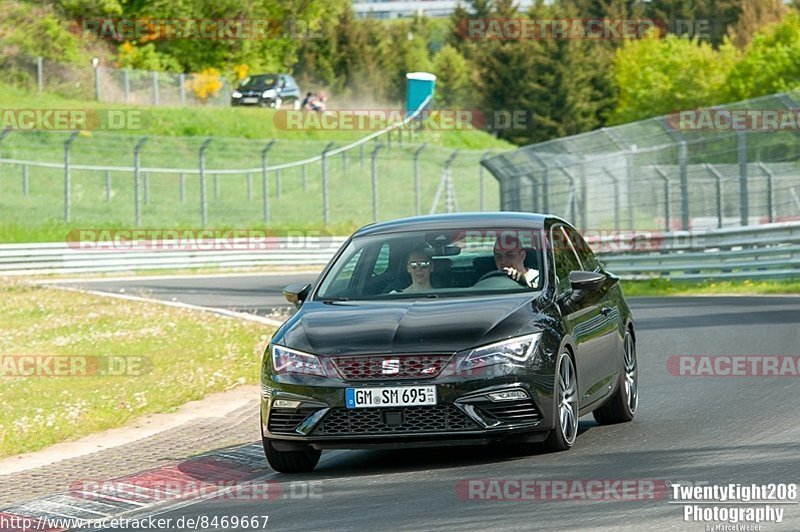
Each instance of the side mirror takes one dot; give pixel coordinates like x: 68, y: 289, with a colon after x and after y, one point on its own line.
x: 586, y: 281
x: 296, y: 293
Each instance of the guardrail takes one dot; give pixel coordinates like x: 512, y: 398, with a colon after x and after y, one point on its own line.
x: 61, y: 258
x: 758, y: 252
x: 769, y: 251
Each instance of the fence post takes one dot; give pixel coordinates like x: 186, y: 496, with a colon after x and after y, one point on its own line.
x: 203, y: 201
x: 126, y: 81
x: 137, y: 208
x: 68, y: 176
x: 3, y: 135
x: 374, y: 174
x: 325, y: 211
x: 615, y: 184
x: 216, y: 186
x: 182, y: 187
x: 417, y: 153
x: 665, y: 178
x: 108, y: 186
x: 344, y: 161
x: 718, y: 177
x: 147, y: 188
x: 277, y: 184
x: 770, y: 194
x: 40, y: 73
x: 744, y: 205
x: 571, y: 181
x: 683, y: 159
x: 249, y: 187
x: 265, y: 180
x: 96, y: 68
x: 305, y: 177
x: 485, y: 156
x: 156, y: 99
x: 24, y: 179
x: 182, y: 82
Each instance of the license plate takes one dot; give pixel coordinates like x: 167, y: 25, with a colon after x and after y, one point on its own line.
x: 390, y: 396
x: 250, y: 100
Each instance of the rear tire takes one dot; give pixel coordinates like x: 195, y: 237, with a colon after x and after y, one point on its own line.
x: 290, y: 461
x: 565, y: 397
x: 623, y: 404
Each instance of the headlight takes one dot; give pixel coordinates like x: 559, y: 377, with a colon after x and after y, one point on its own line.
x: 269, y: 93
x: 285, y: 360
x: 514, y: 351
x: 236, y: 94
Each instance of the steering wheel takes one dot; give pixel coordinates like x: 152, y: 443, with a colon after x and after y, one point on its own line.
x: 492, y: 274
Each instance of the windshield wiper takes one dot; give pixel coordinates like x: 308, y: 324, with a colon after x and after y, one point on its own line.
x: 329, y: 300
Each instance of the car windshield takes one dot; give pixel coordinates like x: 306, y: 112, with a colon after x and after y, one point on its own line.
x: 432, y: 264
x: 262, y: 80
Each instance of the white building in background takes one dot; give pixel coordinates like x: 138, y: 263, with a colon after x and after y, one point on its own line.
x: 409, y: 8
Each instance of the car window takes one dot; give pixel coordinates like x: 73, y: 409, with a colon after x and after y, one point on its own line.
x: 587, y: 257
x: 459, y: 262
x: 564, y: 257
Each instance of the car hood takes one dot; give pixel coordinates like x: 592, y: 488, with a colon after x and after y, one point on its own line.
x: 407, y: 326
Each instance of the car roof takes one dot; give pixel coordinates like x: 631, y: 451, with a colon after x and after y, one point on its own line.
x: 459, y: 221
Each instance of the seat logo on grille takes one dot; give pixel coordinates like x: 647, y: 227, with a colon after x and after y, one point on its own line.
x: 390, y: 366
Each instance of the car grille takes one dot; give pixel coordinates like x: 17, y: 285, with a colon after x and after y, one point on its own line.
x: 287, y: 419
x: 522, y: 411
x: 390, y: 367
x: 439, y: 418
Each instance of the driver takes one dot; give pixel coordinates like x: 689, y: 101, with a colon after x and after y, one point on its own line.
x: 509, y: 256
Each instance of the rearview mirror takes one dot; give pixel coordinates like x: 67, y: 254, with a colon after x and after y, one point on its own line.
x: 586, y: 281
x: 296, y: 293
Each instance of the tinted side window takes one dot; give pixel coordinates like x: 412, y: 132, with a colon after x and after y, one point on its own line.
x: 585, y: 254
x: 564, y: 257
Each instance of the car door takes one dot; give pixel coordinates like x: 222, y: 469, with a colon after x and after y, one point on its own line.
x: 609, y: 323
x: 583, y: 320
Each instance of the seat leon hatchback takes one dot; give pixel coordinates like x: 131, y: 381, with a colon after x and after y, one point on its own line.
x: 449, y: 329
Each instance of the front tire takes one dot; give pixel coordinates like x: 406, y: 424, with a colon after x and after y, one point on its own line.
x: 565, y: 396
x: 623, y: 404
x: 291, y: 461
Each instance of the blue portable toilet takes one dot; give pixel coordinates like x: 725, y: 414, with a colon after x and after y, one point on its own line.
x: 419, y: 86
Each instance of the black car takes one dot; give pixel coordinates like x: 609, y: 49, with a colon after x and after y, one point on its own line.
x: 267, y: 90
x: 419, y: 333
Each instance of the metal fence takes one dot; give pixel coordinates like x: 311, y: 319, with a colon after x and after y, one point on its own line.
x: 769, y: 251
x: 101, y: 179
x: 108, y: 84
x: 654, y: 175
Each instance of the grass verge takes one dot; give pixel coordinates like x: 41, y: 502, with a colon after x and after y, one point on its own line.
x: 169, y: 356
x: 666, y: 287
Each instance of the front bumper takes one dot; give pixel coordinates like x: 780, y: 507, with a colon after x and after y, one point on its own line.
x: 464, y: 414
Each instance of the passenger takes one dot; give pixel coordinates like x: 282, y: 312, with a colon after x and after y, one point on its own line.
x: 419, y: 266
x: 509, y: 256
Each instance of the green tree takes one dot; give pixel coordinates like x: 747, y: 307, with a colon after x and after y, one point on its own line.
x: 770, y: 63
x: 660, y: 76
x: 454, y: 88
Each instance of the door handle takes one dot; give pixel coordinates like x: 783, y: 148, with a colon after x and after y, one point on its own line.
x: 605, y: 311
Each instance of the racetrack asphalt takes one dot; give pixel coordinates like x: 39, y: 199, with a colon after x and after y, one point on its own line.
x: 697, y: 430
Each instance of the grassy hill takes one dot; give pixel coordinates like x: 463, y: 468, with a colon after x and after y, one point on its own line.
x: 234, y: 200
